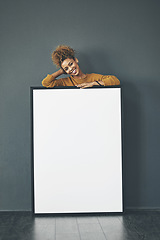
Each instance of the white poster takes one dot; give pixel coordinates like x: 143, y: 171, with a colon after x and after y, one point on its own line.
x: 77, y: 150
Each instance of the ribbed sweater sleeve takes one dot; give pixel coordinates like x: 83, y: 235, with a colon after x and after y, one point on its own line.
x: 49, y: 83
x: 110, y: 80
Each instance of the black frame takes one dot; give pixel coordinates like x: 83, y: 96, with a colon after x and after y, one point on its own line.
x: 32, y: 155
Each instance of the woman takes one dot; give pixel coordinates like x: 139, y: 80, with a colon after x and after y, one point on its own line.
x: 64, y: 58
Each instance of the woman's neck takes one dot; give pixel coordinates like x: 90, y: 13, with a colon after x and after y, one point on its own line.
x: 81, y: 75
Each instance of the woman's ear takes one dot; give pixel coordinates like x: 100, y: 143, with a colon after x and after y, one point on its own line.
x: 76, y: 60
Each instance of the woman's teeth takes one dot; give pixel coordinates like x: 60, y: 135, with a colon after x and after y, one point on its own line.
x: 74, y: 71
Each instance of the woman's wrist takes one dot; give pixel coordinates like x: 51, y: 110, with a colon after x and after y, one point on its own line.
x: 99, y: 83
x: 57, y: 73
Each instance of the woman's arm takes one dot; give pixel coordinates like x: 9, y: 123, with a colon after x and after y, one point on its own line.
x: 98, y: 79
x: 49, y: 80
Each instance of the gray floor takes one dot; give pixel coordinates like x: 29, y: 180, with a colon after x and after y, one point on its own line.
x: 133, y: 225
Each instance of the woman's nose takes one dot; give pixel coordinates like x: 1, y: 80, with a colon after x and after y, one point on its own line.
x: 70, y: 69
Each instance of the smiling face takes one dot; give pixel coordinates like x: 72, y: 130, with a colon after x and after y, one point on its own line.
x: 70, y: 66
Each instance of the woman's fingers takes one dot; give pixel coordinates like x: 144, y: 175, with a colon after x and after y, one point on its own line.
x: 85, y: 85
x: 81, y: 85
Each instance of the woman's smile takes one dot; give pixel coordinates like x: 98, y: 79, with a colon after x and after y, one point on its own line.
x: 74, y: 71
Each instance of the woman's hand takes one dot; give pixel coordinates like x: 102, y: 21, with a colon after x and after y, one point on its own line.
x: 62, y: 71
x: 91, y: 84
x: 57, y: 74
x: 86, y: 85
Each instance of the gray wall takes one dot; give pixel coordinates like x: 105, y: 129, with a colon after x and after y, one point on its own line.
x: 111, y: 37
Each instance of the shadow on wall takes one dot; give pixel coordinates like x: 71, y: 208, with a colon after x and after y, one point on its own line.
x: 132, y: 135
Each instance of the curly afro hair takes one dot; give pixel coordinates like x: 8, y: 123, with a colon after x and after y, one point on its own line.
x: 61, y: 53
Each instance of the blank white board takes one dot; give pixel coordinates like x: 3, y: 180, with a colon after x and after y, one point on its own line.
x: 77, y: 150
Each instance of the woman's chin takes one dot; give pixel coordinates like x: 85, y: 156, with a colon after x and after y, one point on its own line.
x: 75, y: 75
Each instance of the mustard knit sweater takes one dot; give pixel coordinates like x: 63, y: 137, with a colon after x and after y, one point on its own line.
x: 108, y: 80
